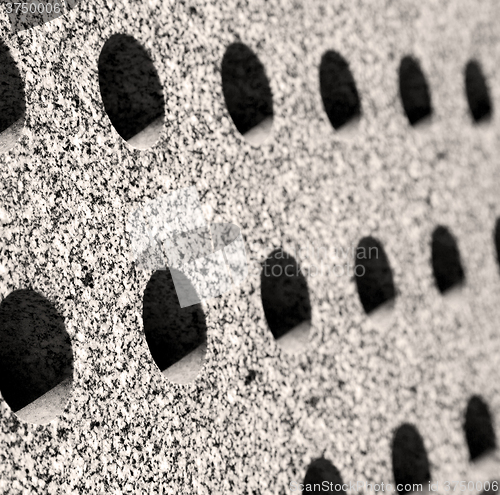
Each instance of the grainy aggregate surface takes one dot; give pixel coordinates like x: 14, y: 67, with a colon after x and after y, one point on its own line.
x: 69, y: 184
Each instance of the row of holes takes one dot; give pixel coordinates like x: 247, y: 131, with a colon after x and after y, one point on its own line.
x: 35, y: 349
x: 410, y: 463
x: 133, y: 98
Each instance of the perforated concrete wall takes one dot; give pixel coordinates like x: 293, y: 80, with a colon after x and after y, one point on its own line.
x: 118, y: 103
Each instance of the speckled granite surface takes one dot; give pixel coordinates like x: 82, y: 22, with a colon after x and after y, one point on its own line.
x: 255, y: 418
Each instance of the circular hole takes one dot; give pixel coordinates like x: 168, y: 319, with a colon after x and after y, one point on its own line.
x: 12, y: 101
x: 478, y: 95
x: 322, y: 475
x: 373, y: 276
x: 285, y: 299
x: 338, y: 91
x: 131, y: 91
x: 36, y: 358
x: 410, y: 464
x: 478, y: 428
x: 446, y: 264
x: 414, y: 91
x: 247, y: 93
x: 176, y: 336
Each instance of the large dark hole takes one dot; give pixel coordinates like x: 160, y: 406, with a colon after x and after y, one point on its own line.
x: 322, y: 476
x: 373, y: 275
x: 446, y: 264
x: 338, y: 90
x: 172, y: 332
x: 12, y: 100
x: 414, y: 91
x: 478, y: 427
x: 478, y: 95
x: 131, y: 91
x: 284, y: 291
x: 35, y: 349
x: 410, y: 464
x: 247, y: 93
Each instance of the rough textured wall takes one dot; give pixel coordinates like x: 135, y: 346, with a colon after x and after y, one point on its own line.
x: 256, y: 417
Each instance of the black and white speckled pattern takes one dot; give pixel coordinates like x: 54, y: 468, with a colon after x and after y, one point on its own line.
x: 69, y: 184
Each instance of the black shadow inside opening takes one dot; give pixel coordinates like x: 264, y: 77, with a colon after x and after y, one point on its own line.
x: 284, y: 292
x: 414, y: 91
x: 373, y: 275
x: 12, y: 100
x: 446, y: 263
x: 476, y: 89
x: 130, y: 87
x: 496, y: 239
x: 35, y: 348
x: 478, y: 428
x: 171, y: 332
x: 246, y: 88
x: 410, y: 463
x: 338, y: 90
x: 320, y: 471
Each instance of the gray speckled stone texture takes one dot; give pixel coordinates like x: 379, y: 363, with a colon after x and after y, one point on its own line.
x: 69, y: 185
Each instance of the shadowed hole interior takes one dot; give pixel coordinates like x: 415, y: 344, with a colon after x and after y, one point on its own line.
x: 284, y: 291
x: 410, y: 464
x: 322, y: 474
x: 131, y: 91
x: 478, y: 428
x: 446, y: 264
x: 12, y: 100
x: 496, y: 239
x: 172, y: 332
x: 414, y: 91
x: 247, y: 93
x: 476, y: 89
x: 338, y: 90
x: 35, y: 349
x: 373, y: 275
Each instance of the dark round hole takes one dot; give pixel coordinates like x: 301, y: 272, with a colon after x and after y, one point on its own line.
x: 446, y: 264
x: 338, y: 90
x: 410, y: 464
x: 247, y: 93
x: 478, y: 95
x: 373, y: 275
x: 172, y: 332
x: 35, y: 349
x: 12, y: 100
x: 414, y: 91
x: 284, y: 291
x: 322, y: 476
x: 131, y: 91
x: 478, y: 427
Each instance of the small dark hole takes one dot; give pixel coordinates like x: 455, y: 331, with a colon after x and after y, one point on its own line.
x: 171, y: 332
x: 478, y: 95
x: 373, y: 275
x: 246, y: 90
x: 338, y: 90
x: 446, y: 264
x: 414, y: 91
x: 130, y: 89
x: 496, y: 238
x: 284, y: 291
x: 250, y: 377
x: 35, y: 348
x: 410, y: 464
x: 322, y: 476
x: 12, y: 100
x: 478, y: 427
